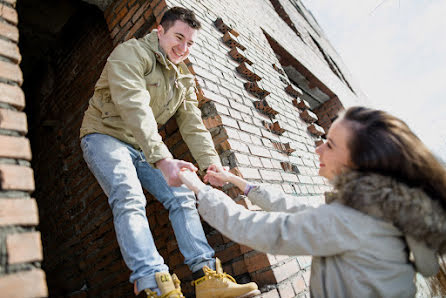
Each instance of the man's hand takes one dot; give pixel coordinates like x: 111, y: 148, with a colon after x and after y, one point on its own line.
x: 170, y: 167
x: 213, y: 180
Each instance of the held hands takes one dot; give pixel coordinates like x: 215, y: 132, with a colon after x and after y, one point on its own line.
x: 217, y: 175
x: 171, y: 167
x: 191, y: 180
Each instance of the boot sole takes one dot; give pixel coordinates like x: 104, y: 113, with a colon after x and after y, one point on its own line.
x: 250, y: 294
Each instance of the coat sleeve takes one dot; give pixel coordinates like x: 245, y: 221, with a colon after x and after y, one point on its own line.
x: 274, y: 200
x: 194, y: 133
x: 126, y: 67
x: 313, y: 231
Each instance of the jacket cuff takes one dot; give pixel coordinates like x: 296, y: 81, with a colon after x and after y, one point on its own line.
x: 156, y: 154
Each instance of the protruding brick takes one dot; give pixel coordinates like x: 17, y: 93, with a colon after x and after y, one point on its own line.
x: 14, y: 177
x: 316, y: 130
x: 247, y: 72
x: 318, y: 142
x: 308, y: 116
x: 263, y: 106
x: 221, y: 26
x: 301, y: 104
x: 293, y: 91
x: 18, y: 212
x: 237, y: 55
x: 256, y: 90
x: 232, y: 42
x: 24, y: 247
x: 15, y: 147
x: 24, y: 284
x: 11, y: 72
x: 12, y: 95
x: 13, y: 120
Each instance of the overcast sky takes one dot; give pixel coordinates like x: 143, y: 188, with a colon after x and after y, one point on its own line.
x: 396, y: 50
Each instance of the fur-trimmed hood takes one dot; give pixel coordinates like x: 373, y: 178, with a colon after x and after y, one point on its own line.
x: 421, y: 219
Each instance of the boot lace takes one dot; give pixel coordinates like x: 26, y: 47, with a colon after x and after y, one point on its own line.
x: 209, y: 273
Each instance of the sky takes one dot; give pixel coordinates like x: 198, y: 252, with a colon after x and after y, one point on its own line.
x: 396, y: 51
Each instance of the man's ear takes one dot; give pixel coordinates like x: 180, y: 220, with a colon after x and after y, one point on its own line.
x: 160, y: 30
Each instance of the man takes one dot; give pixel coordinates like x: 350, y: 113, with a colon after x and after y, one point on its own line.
x: 144, y: 83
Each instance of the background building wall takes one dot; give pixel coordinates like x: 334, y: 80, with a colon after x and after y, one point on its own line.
x: 20, y: 243
x: 263, y: 130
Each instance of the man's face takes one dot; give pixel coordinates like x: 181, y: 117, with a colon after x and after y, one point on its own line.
x: 177, y: 41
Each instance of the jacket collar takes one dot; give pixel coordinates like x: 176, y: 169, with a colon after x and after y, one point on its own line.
x: 421, y: 218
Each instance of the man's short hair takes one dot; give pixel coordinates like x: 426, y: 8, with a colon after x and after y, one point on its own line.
x: 182, y: 14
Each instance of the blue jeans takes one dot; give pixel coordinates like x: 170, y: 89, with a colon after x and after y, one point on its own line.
x: 121, y: 170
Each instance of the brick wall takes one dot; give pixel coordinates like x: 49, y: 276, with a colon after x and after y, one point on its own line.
x: 20, y: 242
x: 328, y: 111
x: 260, y: 126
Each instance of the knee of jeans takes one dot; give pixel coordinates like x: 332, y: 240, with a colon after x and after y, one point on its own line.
x: 181, y: 199
x: 127, y: 204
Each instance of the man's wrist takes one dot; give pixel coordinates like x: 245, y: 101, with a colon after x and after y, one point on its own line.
x: 162, y: 161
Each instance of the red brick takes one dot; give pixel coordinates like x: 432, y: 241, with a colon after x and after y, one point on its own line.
x: 13, y: 120
x: 15, y: 147
x: 10, y: 50
x: 8, y: 14
x: 24, y: 284
x: 264, y: 278
x: 159, y: 10
x: 135, y: 28
x: 128, y: 15
x: 14, y: 177
x: 239, y: 267
x: 259, y: 261
x: 9, y: 31
x: 12, y: 95
x: 24, y: 247
x: 229, y: 253
x: 118, y: 17
x: 212, y: 122
x: 140, y: 11
x: 12, y: 72
x: 18, y: 212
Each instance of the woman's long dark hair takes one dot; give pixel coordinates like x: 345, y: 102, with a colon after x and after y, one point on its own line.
x: 384, y: 144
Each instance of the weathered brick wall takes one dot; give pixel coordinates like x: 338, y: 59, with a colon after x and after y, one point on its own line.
x: 261, y: 129
x: 81, y: 254
x: 20, y: 242
x: 328, y: 111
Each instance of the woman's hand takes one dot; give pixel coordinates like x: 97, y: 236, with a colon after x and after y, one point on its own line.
x: 191, y: 180
x: 218, y: 177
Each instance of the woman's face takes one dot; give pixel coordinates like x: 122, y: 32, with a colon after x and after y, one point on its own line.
x: 334, y: 155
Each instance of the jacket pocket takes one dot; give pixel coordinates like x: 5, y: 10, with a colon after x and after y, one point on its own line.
x: 109, y: 110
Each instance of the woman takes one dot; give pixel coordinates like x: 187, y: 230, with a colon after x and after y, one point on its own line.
x: 384, y: 220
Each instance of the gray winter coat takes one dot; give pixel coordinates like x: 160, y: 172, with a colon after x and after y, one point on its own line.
x: 354, y: 254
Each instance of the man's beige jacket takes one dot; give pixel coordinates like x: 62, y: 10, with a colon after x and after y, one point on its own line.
x: 140, y: 88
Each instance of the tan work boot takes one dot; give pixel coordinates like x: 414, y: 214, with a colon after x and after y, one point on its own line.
x: 217, y: 284
x: 168, y: 285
